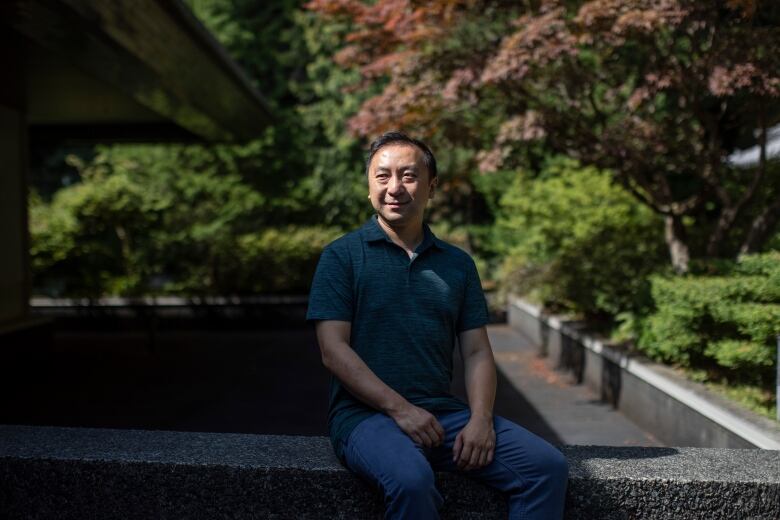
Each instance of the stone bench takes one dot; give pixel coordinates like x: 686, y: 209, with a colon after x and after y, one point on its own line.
x: 54, y: 472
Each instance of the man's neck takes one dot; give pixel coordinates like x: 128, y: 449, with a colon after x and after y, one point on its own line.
x: 407, y: 236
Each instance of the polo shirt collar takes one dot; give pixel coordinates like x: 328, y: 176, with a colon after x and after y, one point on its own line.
x: 373, y: 232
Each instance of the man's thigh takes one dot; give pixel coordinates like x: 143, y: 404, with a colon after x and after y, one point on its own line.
x: 378, y: 450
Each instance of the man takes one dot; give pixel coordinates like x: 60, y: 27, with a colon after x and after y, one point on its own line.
x: 389, y: 301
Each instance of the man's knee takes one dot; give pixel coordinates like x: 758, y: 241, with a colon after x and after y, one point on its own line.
x: 556, y: 466
x: 531, y: 458
x: 413, y: 480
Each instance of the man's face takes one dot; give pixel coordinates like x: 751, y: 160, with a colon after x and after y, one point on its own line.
x: 398, y: 184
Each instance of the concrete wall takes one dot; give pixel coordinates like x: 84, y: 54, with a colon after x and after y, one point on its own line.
x: 14, y: 282
x: 676, y: 411
x: 63, y: 473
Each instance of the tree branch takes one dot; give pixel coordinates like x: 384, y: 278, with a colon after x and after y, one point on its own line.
x: 760, y: 229
x: 729, y: 214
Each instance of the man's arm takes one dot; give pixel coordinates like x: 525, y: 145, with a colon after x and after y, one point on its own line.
x: 342, y: 361
x: 475, y: 443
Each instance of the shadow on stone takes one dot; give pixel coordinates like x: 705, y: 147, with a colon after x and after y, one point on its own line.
x: 572, y: 358
x: 611, y: 380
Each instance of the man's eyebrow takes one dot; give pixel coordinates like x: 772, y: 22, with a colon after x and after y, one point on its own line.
x: 407, y: 167
x: 404, y: 167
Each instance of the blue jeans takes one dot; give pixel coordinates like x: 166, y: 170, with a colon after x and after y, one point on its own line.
x: 532, y: 472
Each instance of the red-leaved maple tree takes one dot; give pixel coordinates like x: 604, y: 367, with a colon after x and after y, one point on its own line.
x: 661, y: 92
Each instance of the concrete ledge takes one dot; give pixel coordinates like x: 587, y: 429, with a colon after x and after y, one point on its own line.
x: 157, y: 313
x: 22, y: 326
x: 59, y: 304
x: 678, y: 412
x: 48, y: 472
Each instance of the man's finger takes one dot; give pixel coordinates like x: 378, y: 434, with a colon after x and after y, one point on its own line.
x: 427, y: 440
x: 456, y: 448
x: 490, y: 454
x: 465, y: 455
x: 483, y: 459
x: 439, y: 429
x: 432, y: 434
x: 476, y: 454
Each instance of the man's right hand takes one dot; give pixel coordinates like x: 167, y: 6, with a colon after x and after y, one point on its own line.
x: 420, y: 425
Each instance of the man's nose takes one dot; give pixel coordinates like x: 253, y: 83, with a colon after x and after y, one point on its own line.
x: 395, y: 186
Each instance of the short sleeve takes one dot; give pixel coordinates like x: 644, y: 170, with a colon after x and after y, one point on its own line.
x: 473, y: 310
x: 330, y: 297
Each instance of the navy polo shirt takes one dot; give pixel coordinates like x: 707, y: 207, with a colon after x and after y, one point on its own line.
x: 405, y: 315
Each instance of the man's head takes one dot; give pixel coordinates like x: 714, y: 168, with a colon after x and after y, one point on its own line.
x: 401, y: 138
x: 402, y: 175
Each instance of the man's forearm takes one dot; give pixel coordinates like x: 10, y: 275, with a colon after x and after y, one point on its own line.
x: 344, y: 363
x: 480, y: 379
x: 361, y: 381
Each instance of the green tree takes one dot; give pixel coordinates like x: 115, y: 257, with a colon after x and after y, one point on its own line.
x: 286, y: 52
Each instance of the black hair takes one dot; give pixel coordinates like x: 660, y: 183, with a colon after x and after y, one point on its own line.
x: 401, y: 138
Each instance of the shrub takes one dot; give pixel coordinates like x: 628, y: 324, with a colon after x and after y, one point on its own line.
x: 576, y: 241
x: 275, y: 260
x: 725, y: 323
x: 162, y: 220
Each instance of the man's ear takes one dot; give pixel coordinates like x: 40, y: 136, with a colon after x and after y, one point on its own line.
x: 434, y: 183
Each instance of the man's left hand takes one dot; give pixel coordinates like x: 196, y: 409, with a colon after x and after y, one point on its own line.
x: 475, y: 444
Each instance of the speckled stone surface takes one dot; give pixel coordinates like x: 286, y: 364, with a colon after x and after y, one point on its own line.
x: 706, y: 483
x: 48, y: 472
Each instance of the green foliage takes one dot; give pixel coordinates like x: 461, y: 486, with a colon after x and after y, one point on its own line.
x: 335, y: 182
x: 576, y: 241
x: 263, y: 38
x: 725, y: 323
x: 758, y: 398
x: 193, y: 219
x: 161, y: 219
x: 286, y: 52
x: 279, y: 260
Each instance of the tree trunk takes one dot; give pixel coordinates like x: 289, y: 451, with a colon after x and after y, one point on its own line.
x: 124, y: 241
x: 674, y: 233
x: 727, y: 218
x: 729, y: 214
x: 759, y: 231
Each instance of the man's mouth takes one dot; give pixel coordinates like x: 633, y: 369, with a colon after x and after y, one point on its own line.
x: 396, y: 203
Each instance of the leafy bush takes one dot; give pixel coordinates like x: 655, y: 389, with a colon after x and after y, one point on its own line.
x: 155, y: 219
x: 577, y: 242
x: 274, y: 260
x: 724, y: 322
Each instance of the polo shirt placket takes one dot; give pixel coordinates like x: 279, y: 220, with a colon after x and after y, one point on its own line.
x: 408, y: 262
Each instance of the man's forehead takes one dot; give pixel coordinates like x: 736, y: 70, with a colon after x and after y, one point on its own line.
x: 407, y: 154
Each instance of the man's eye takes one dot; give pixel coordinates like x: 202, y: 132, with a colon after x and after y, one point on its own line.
x: 410, y: 174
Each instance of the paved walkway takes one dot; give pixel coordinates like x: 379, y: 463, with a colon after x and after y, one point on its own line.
x: 548, y: 402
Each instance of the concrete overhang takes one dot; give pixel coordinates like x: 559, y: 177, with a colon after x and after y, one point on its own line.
x: 123, y: 70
